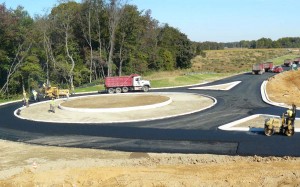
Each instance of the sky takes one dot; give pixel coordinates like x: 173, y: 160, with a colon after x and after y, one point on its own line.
x: 210, y: 20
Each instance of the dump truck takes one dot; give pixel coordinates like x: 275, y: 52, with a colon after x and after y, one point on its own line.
x: 288, y: 62
x: 125, y: 84
x: 296, y: 60
x: 258, y: 69
x: 262, y: 67
x: 55, y: 92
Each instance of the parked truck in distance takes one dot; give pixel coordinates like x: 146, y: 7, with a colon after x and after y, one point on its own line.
x: 288, y: 62
x: 125, y: 84
x: 262, y: 67
x: 297, y: 60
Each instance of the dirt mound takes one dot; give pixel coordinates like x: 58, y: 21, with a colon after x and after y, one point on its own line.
x: 285, y: 88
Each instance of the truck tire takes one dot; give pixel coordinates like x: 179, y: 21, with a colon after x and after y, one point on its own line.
x: 111, y: 90
x: 125, y: 89
x: 145, y: 88
x: 118, y: 90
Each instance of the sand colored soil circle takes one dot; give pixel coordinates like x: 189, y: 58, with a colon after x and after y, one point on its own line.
x: 154, y: 106
x: 285, y: 88
x: 115, y: 101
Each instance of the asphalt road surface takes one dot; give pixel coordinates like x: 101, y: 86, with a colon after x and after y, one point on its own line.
x: 194, y: 133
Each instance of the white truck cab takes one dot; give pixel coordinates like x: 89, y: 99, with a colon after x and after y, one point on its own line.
x: 140, y: 84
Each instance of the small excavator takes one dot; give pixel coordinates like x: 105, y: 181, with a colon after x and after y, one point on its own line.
x: 285, y: 125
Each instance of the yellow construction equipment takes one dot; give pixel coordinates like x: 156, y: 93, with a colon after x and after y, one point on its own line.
x: 54, y: 92
x: 285, y: 125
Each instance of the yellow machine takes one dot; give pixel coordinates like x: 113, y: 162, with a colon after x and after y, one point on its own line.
x: 283, y: 126
x: 54, y: 92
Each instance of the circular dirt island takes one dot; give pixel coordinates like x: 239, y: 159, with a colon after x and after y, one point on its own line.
x: 116, y: 101
x: 181, y: 104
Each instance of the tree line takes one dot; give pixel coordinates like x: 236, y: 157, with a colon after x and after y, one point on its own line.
x: 78, y: 43
x: 262, y: 43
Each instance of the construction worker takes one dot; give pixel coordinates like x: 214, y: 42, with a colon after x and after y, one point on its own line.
x: 52, y: 105
x: 290, y: 115
x: 72, y: 89
x: 34, y: 94
x: 26, y: 102
x: 68, y: 95
x: 24, y: 95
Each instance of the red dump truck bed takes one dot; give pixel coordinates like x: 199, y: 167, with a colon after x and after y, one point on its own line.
x: 111, y: 82
x: 268, y: 66
x: 257, y: 67
x: 262, y: 67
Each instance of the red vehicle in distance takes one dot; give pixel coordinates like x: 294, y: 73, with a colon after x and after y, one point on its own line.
x: 277, y: 69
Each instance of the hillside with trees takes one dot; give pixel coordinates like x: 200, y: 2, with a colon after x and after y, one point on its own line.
x: 262, y: 43
x: 77, y: 43
x: 80, y: 43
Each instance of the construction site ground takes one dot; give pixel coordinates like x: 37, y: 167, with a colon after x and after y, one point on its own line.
x: 32, y: 165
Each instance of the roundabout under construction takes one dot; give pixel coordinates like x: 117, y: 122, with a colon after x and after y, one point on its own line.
x: 118, y: 108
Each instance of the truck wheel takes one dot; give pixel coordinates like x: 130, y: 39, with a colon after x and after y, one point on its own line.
x: 111, y: 90
x: 145, y: 88
x: 118, y: 90
x: 125, y: 89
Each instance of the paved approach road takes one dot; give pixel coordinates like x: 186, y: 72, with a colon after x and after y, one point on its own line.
x: 194, y: 133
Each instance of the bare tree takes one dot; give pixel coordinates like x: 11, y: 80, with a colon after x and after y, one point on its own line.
x: 98, y: 8
x: 44, y: 26
x: 71, y: 76
x: 21, y: 53
x: 87, y: 34
x: 116, y: 9
x: 121, y: 54
x: 63, y: 18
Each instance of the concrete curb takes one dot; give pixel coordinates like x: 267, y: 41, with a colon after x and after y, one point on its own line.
x: 231, y: 85
x: 38, y: 103
x: 230, y: 126
x: 125, y: 121
x: 6, y: 103
x: 266, y: 99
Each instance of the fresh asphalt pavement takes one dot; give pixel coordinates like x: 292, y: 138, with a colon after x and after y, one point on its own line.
x: 193, y: 133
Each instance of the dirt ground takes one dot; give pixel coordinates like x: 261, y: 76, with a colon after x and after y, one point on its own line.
x: 285, y: 88
x: 31, y: 165
x: 116, y: 101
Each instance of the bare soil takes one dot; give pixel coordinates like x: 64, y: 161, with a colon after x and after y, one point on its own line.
x: 285, y: 88
x: 115, y: 101
x: 31, y: 165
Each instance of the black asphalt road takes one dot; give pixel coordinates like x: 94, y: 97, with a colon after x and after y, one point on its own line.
x: 194, y: 133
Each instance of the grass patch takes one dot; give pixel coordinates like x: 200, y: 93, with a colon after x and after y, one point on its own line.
x: 14, y: 98
x: 89, y: 88
x: 280, y: 60
x: 186, y: 79
x: 238, y: 60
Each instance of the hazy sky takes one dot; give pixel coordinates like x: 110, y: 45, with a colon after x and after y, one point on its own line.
x: 211, y: 20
